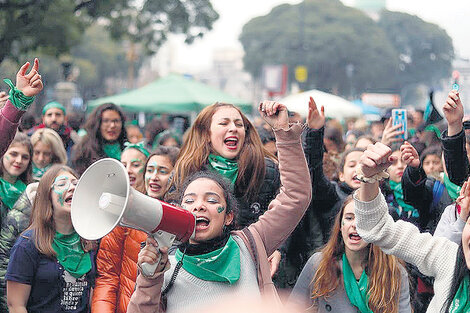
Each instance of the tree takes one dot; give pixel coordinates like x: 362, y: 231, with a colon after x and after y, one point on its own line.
x: 327, y: 37
x: 49, y: 26
x: 55, y: 26
x: 98, y: 58
x: 425, y: 50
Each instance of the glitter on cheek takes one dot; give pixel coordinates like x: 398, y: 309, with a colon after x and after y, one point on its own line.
x: 220, y: 209
x: 61, y: 196
x: 342, y: 222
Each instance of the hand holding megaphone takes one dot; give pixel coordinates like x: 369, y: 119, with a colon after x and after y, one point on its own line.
x: 152, y: 258
x: 103, y: 200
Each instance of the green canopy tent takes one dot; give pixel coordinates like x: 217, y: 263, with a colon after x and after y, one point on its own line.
x: 171, y: 94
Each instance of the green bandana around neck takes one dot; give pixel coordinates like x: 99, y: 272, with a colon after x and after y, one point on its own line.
x: 53, y: 104
x: 221, y: 265
x: 356, y: 291
x: 452, y: 189
x: 398, y: 193
x: 9, y: 192
x: 461, y: 303
x: 70, y: 254
x: 226, y: 167
x: 39, y: 172
x: 138, y: 146
x: 112, y: 150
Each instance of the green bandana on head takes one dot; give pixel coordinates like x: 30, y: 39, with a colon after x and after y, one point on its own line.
x: 225, y: 167
x: 39, y: 172
x: 398, y: 193
x: 356, y: 291
x: 53, y: 104
x: 9, y: 192
x: 138, y: 146
x: 461, y: 303
x: 113, y: 150
x: 70, y: 254
x: 221, y: 265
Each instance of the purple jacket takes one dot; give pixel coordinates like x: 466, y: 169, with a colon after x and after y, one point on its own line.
x: 9, y: 119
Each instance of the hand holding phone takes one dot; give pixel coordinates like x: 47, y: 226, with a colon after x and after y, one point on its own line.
x: 399, y: 117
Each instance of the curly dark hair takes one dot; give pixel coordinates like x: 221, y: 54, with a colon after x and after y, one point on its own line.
x: 90, y: 148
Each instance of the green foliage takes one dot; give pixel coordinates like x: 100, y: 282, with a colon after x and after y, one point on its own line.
x: 56, y: 26
x: 30, y: 25
x: 329, y: 38
x: 98, y: 57
x: 425, y: 50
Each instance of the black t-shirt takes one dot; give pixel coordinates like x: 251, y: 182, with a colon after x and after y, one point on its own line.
x: 53, y: 289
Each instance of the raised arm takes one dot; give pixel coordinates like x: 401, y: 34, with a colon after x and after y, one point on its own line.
x: 286, y: 210
x: 453, y: 140
x: 20, y: 98
x: 323, y: 191
x: 400, y: 238
x: 414, y: 182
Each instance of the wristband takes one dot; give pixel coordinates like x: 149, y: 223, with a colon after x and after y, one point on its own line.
x: 370, y: 180
x: 17, y: 97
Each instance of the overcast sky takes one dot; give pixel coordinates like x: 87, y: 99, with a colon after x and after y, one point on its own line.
x: 452, y: 15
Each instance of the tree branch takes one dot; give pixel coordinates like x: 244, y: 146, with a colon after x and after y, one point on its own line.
x: 10, y: 5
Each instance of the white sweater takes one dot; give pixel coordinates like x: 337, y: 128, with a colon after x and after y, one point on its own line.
x: 434, y: 256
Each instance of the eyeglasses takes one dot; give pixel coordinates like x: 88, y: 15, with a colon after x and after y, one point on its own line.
x: 108, y: 122
x: 64, y: 183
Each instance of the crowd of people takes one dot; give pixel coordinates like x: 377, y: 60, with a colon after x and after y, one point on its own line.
x: 338, y: 221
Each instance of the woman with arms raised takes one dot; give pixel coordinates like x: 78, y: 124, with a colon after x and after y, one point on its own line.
x: 438, y: 257
x: 219, y: 261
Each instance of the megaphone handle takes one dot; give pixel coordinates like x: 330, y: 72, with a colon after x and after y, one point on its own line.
x: 163, y: 239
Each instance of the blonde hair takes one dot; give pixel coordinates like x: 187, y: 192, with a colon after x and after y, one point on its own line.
x: 51, y: 138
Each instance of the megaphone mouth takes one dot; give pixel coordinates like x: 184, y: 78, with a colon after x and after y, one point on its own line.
x: 103, y: 181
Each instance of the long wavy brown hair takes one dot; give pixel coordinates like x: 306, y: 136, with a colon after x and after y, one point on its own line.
x: 382, y: 270
x: 42, y: 216
x: 197, y: 147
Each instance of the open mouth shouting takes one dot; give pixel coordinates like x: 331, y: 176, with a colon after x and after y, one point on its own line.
x: 231, y: 142
x: 354, y: 238
x: 68, y: 199
x: 154, y: 187
x: 202, y: 223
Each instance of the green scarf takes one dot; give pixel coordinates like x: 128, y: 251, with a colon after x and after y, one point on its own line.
x: 461, y: 303
x: 71, y: 255
x: 398, y: 193
x: 452, y: 189
x: 9, y: 192
x: 226, y: 167
x: 356, y: 291
x: 113, y: 150
x: 38, y: 172
x: 220, y: 265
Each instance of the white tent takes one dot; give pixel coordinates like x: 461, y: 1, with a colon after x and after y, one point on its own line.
x: 335, y: 107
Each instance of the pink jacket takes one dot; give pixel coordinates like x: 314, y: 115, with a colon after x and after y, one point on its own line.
x: 267, y: 234
x: 9, y: 119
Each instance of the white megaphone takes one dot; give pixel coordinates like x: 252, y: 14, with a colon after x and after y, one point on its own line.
x: 103, y: 199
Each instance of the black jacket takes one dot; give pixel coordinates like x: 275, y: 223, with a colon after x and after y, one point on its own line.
x: 455, y: 156
x: 427, y: 195
x: 249, y: 210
